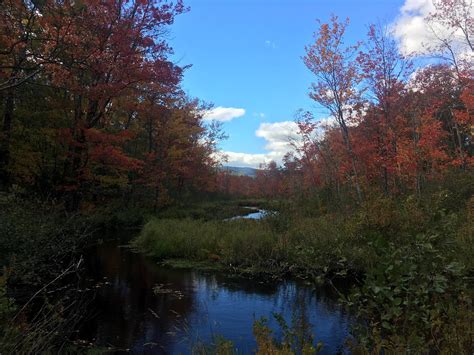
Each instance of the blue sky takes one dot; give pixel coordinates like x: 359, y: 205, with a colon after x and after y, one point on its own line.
x: 246, y: 54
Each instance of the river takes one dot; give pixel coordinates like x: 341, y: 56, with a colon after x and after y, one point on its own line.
x: 142, y: 307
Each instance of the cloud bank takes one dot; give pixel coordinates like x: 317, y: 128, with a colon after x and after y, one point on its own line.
x: 410, y: 28
x: 414, y: 33
x: 278, y: 137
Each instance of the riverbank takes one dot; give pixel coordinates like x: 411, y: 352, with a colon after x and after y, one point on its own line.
x: 411, y: 261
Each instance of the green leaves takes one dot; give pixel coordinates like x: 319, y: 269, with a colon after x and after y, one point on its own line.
x: 405, y: 297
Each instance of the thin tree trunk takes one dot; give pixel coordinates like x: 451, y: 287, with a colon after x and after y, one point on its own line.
x: 73, y: 164
x: 459, y: 141
x: 345, y: 134
x: 416, y: 139
x: 6, y: 138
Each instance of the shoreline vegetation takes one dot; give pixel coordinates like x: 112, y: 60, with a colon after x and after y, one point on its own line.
x: 409, y: 261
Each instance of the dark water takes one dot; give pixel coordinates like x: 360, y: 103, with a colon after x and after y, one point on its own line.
x: 192, y: 307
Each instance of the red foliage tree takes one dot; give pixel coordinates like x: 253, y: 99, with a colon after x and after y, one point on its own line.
x: 111, y: 50
x: 336, y: 80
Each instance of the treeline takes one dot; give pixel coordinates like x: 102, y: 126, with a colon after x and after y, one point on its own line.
x: 92, y: 107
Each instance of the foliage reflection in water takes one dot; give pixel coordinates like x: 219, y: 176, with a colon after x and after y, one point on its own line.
x: 145, y: 307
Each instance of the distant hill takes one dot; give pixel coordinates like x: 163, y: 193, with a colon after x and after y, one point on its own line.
x: 240, y: 171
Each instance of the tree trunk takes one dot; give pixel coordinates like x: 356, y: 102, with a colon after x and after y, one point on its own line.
x: 459, y: 141
x: 416, y: 138
x: 74, y: 163
x: 345, y: 135
x: 74, y: 171
x: 6, y: 137
x: 155, y: 198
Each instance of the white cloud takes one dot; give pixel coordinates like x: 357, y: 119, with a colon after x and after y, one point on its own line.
x: 280, y: 137
x: 413, y: 31
x: 277, y: 135
x: 223, y: 114
x: 424, y: 6
x: 246, y: 159
x: 411, y: 28
x: 327, y: 122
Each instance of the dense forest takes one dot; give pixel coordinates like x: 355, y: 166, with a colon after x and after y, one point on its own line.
x: 98, y: 135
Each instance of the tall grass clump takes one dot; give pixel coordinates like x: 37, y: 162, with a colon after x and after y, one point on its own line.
x: 234, y: 244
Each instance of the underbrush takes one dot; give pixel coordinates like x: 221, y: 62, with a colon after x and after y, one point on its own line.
x: 39, y: 259
x: 311, y: 245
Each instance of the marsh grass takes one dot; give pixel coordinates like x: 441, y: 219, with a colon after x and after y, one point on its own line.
x: 241, y: 244
x: 306, y: 247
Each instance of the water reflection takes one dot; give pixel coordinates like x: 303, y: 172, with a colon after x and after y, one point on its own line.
x: 191, y: 307
x: 254, y: 213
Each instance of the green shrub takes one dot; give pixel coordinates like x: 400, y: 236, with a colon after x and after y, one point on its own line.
x: 411, y: 297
